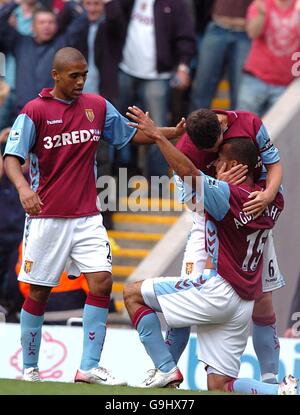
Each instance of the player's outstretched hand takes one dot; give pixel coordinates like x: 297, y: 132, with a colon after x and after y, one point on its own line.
x: 258, y: 201
x: 30, y: 201
x: 236, y: 175
x: 143, y: 122
x: 180, y: 127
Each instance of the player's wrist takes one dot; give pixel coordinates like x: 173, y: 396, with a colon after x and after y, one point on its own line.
x: 270, y: 195
x: 22, y: 186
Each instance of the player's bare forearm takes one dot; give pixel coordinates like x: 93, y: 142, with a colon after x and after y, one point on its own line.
x: 169, y: 133
x: 13, y: 170
x: 273, y: 180
x: 29, y: 199
x: 176, y: 160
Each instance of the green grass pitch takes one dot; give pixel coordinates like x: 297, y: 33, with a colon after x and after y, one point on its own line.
x: 19, y: 387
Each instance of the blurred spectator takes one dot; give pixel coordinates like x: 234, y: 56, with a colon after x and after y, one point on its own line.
x: 293, y: 325
x: 225, y: 45
x: 34, y: 55
x: 101, y: 43
x: 21, y: 20
x: 179, y: 99
x: 11, y: 232
x: 55, y: 5
x: 202, y: 14
x: 160, y: 44
x: 274, y: 26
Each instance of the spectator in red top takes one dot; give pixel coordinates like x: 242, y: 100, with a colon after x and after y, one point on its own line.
x: 274, y: 26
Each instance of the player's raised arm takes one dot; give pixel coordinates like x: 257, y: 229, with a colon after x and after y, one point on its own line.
x: 169, y: 133
x: 177, y: 160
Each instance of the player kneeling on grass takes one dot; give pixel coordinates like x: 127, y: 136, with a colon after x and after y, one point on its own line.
x: 220, y: 301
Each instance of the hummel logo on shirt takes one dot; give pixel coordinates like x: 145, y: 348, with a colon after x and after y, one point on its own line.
x: 50, y: 122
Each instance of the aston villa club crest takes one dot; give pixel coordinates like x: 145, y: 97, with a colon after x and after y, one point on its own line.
x: 27, y: 266
x: 90, y: 114
x: 189, y: 267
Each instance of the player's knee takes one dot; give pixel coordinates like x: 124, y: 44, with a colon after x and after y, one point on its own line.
x: 131, y: 293
x: 107, y: 284
x: 100, y: 283
x: 263, y: 306
x: 40, y: 293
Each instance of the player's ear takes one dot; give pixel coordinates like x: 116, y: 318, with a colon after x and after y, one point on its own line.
x: 55, y: 74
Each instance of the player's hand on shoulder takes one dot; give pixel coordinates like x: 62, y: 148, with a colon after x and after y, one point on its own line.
x: 30, y: 201
x: 258, y: 201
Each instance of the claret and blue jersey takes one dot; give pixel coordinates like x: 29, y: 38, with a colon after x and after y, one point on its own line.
x: 61, y: 138
x: 234, y: 240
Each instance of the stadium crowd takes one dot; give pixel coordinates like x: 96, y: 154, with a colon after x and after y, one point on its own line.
x: 165, y: 56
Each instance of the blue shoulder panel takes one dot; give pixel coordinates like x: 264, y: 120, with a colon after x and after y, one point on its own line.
x: 268, y: 152
x: 21, y: 137
x: 117, y: 132
x: 216, y: 197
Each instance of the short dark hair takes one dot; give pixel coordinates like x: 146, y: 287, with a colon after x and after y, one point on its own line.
x: 203, y: 128
x: 41, y: 9
x: 65, y: 56
x: 243, y: 150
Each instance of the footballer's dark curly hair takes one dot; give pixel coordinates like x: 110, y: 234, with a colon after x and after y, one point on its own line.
x: 203, y: 128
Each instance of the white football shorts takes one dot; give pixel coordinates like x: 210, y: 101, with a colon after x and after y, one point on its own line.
x: 50, y: 243
x: 209, y: 302
x: 272, y: 279
x: 195, y: 257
